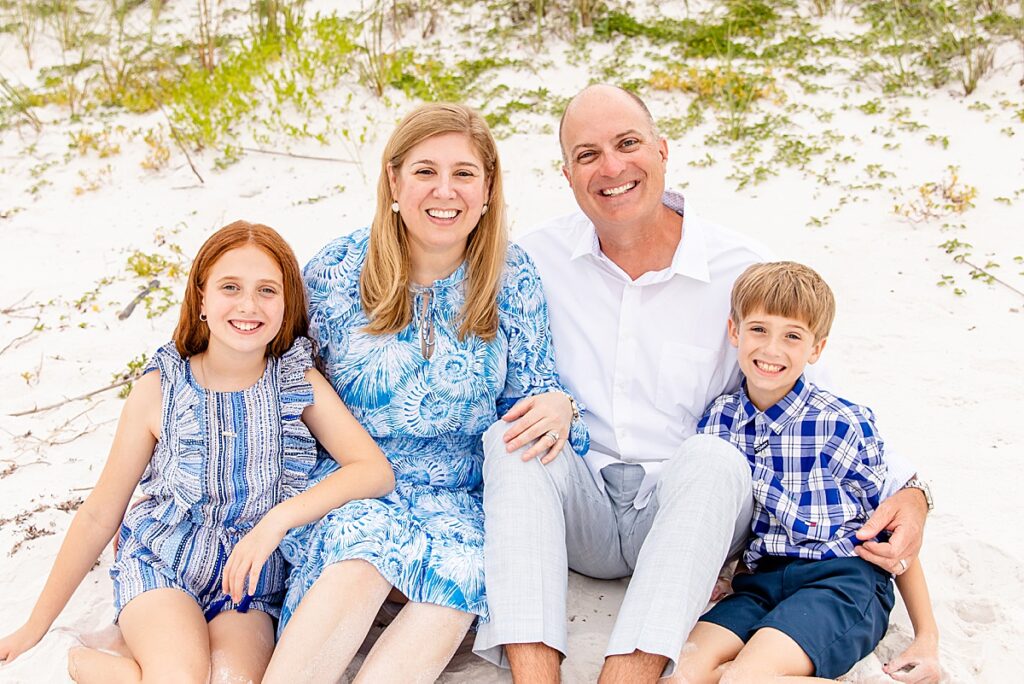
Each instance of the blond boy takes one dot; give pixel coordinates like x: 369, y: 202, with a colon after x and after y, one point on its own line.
x: 810, y: 606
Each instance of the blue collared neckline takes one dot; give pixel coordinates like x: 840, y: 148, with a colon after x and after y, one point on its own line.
x: 779, y: 414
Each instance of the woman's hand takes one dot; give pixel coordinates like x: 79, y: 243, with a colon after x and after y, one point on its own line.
x: 543, y: 419
x: 246, y: 561
x: 919, y: 664
x: 19, y: 641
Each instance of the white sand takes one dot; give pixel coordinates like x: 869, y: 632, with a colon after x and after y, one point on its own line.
x: 941, y: 371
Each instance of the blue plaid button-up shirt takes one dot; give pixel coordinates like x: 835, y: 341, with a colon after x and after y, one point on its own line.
x: 817, y: 469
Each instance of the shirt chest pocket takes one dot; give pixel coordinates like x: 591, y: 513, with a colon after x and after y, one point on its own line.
x: 684, y: 378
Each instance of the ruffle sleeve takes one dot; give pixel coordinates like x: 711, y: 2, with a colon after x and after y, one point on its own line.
x: 296, y: 393
x: 175, y: 474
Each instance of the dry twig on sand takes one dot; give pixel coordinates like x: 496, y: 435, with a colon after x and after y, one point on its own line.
x: 962, y: 259
x: 127, y: 311
x: 16, y: 308
x: 50, y: 407
x: 181, y: 144
x: 293, y: 155
x: 21, y: 338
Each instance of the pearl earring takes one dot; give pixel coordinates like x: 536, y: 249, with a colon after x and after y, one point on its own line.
x: 484, y: 210
x: 394, y: 207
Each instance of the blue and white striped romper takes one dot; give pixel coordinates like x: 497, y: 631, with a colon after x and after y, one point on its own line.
x: 222, y: 461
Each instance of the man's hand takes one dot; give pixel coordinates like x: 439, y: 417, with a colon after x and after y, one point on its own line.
x: 903, y: 515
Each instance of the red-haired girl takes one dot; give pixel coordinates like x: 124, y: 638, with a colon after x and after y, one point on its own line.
x: 220, y: 432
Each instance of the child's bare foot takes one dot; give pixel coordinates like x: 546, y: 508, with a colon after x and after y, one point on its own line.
x: 86, y: 665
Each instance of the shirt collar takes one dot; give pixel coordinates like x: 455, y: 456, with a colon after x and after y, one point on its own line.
x: 690, y: 258
x: 780, y: 414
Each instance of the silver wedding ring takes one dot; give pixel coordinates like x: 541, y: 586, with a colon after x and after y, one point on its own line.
x: 552, y: 435
x: 903, y: 565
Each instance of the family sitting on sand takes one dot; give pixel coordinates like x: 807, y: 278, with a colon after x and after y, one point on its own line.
x: 389, y: 424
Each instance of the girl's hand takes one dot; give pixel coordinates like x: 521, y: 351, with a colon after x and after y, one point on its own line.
x: 16, y: 643
x: 919, y: 664
x: 543, y: 419
x: 246, y: 561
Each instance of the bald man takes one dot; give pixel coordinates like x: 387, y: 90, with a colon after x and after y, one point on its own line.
x: 638, y: 291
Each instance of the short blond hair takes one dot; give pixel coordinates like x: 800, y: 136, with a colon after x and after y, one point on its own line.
x: 384, y: 282
x: 785, y: 288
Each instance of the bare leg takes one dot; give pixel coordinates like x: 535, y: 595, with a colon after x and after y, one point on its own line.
x: 772, y: 657
x: 534, y: 663
x: 329, y: 625
x: 240, y: 646
x: 632, y: 668
x: 708, y: 648
x: 417, y: 646
x: 150, y: 619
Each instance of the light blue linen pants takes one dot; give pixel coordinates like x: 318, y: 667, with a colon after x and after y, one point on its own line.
x: 541, y: 520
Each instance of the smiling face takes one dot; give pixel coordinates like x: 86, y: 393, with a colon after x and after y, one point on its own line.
x: 243, y: 300
x: 773, y: 351
x: 614, y: 162
x: 441, y: 188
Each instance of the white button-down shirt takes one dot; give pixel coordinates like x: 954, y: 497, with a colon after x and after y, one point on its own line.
x: 645, y: 357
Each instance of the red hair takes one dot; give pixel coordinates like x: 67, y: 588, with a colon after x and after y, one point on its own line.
x: 191, y: 336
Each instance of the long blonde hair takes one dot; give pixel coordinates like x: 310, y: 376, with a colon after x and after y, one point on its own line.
x: 384, y: 282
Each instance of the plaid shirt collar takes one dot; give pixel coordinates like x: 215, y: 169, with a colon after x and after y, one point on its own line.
x: 779, y: 415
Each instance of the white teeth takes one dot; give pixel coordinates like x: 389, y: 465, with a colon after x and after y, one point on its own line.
x: 611, y: 192
x: 443, y: 213
x: 245, y: 327
x: 769, y: 367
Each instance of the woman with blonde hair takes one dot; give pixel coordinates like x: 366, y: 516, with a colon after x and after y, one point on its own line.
x: 430, y: 327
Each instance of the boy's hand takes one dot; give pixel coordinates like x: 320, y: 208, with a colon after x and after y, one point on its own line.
x: 722, y: 588
x: 247, y: 559
x: 903, y: 515
x: 16, y: 643
x: 919, y: 664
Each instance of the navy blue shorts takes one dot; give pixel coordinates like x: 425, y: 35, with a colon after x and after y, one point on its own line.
x: 836, y: 610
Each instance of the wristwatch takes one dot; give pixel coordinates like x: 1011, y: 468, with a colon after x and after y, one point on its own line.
x: 918, y: 483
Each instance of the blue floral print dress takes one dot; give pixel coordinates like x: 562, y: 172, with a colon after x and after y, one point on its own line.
x: 427, y: 415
